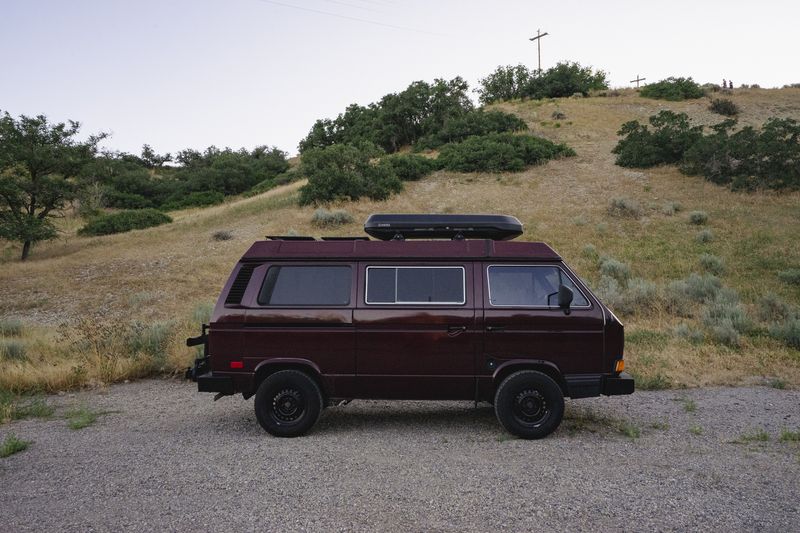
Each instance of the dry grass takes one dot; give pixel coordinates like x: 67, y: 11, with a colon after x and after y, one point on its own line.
x: 180, y: 265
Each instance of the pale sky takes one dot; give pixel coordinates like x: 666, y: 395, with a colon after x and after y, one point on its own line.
x: 191, y: 73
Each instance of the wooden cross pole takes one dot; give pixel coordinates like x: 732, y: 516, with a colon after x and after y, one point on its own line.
x: 637, y: 80
x: 539, y: 46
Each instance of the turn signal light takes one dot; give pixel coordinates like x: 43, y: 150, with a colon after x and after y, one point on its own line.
x: 619, y: 365
x: 237, y: 364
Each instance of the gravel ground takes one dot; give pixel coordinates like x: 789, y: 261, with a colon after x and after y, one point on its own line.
x: 167, y: 458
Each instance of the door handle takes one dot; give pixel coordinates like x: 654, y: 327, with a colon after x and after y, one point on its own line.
x: 495, y: 328
x: 456, y: 330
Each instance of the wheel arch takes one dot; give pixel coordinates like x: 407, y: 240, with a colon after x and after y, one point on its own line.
x: 267, y: 368
x: 545, y: 367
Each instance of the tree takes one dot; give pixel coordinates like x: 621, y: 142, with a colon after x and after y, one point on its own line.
x: 39, y: 161
x: 152, y: 159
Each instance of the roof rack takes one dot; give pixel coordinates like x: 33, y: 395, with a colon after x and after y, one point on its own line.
x: 290, y: 238
x: 457, y: 227
x: 345, y: 238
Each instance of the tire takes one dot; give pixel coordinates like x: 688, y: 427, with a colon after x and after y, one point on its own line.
x: 529, y: 404
x: 288, y: 403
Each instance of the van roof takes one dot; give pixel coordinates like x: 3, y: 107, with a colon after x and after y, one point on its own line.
x: 360, y: 249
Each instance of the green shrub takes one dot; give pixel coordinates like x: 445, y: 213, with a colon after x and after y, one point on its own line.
x: 194, y: 199
x: 773, y: 309
x: 124, y: 221
x: 478, y: 122
x: 672, y: 135
x: 787, y: 332
x: 149, y: 339
x: 677, y: 300
x: 625, y: 207
x: 673, y: 89
x: 722, y: 315
x: 12, y: 444
x: 712, y: 263
x: 698, y: 218
x: 346, y: 172
x: 201, y: 314
x: 724, y: 332
x: 628, y: 297
x: 723, y: 106
x: 590, y: 251
x: 326, y: 219
x: 410, y: 167
x: 499, y: 152
x: 615, y: 269
x: 565, y: 79
x: 704, y: 236
x: 695, y: 336
x: 670, y: 208
x: 126, y: 200
x: 790, y: 276
x: 700, y: 288
x: 10, y: 327
x: 12, y: 350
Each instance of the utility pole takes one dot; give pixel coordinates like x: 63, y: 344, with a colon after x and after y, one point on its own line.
x: 637, y: 80
x: 539, y: 46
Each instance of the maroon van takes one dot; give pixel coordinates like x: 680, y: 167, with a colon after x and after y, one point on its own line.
x: 305, y: 323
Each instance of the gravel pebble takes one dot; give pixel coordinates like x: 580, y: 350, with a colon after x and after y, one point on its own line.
x: 167, y: 458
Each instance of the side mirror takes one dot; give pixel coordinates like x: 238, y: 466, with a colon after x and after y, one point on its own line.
x: 564, y: 297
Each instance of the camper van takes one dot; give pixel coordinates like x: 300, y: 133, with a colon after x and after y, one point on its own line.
x: 432, y: 307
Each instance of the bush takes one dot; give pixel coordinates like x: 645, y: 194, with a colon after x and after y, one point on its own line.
x: 698, y: 288
x: 565, y: 79
x: 671, y: 137
x: 670, y: 208
x: 326, y: 219
x: 673, y: 89
x: 201, y: 314
x: 712, y: 264
x: 499, y: 152
x: 788, y: 332
x: 346, y: 172
x: 10, y: 327
x: 698, y: 218
x: 615, y: 269
x: 695, y: 336
x: 12, y: 350
x: 725, y: 333
x: 723, y: 106
x: 704, y: 236
x: 126, y: 200
x: 222, y: 235
x: 410, y: 167
x: 476, y: 122
x: 124, y: 221
x: 773, y: 309
x: 790, y: 276
x: 629, y: 297
x: 149, y: 339
x: 625, y: 207
x: 194, y: 199
x: 723, y: 314
x: 590, y: 251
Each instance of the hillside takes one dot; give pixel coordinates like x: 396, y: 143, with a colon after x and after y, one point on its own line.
x: 167, y: 273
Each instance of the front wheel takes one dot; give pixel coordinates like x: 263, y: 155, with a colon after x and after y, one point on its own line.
x: 529, y: 404
x: 288, y: 403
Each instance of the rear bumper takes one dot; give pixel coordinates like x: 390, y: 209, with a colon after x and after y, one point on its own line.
x: 615, y: 386
x: 208, y: 382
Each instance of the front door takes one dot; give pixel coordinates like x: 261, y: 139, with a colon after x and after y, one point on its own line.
x: 415, y: 331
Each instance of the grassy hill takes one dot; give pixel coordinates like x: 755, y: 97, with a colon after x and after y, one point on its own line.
x: 163, y: 279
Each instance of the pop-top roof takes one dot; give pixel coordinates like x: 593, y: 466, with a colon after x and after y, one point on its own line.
x: 391, y: 250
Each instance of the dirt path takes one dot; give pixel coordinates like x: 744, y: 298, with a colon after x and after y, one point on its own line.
x: 167, y: 458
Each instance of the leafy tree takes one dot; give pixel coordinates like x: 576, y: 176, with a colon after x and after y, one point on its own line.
x: 477, y: 122
x: 671, y: 137
x: 505, y: 83
x: 152, y: 159
x: 673, y: 89
x: 346, y: 172
x: 565, y: 79
x: 38, y: 161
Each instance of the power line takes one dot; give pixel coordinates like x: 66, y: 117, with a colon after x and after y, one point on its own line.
x: 346, y: 17
x: 353, y: 5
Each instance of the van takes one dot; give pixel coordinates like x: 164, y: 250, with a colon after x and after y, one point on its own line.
x: 435, y: 307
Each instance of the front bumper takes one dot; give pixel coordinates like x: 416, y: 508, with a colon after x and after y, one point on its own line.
x: 615, y: 386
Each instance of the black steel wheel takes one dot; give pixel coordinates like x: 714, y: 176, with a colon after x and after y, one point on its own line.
x: 288, y: 403
x: 529, y: 404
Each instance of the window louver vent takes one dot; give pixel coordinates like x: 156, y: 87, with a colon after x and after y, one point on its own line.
x: 240, y: 285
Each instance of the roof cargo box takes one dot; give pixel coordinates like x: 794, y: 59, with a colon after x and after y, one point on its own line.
x: 495, y: 227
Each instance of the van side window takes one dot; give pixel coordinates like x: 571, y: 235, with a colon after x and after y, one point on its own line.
x: 306, y: 285
x: 415, y: 285
x: 532, y: 286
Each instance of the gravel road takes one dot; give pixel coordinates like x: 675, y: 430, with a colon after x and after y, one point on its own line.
x: 168, y: 459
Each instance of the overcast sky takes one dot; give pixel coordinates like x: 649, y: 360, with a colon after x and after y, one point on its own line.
x: 190, y: 73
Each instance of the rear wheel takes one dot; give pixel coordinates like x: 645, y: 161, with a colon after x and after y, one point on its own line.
x: 529, y: 404
x: 288, y: 403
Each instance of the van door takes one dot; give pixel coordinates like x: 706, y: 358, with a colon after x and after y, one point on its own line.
x: 522, y: 319
x: 415, y: 331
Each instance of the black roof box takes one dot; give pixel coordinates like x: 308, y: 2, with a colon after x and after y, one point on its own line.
x: 408, y: 226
